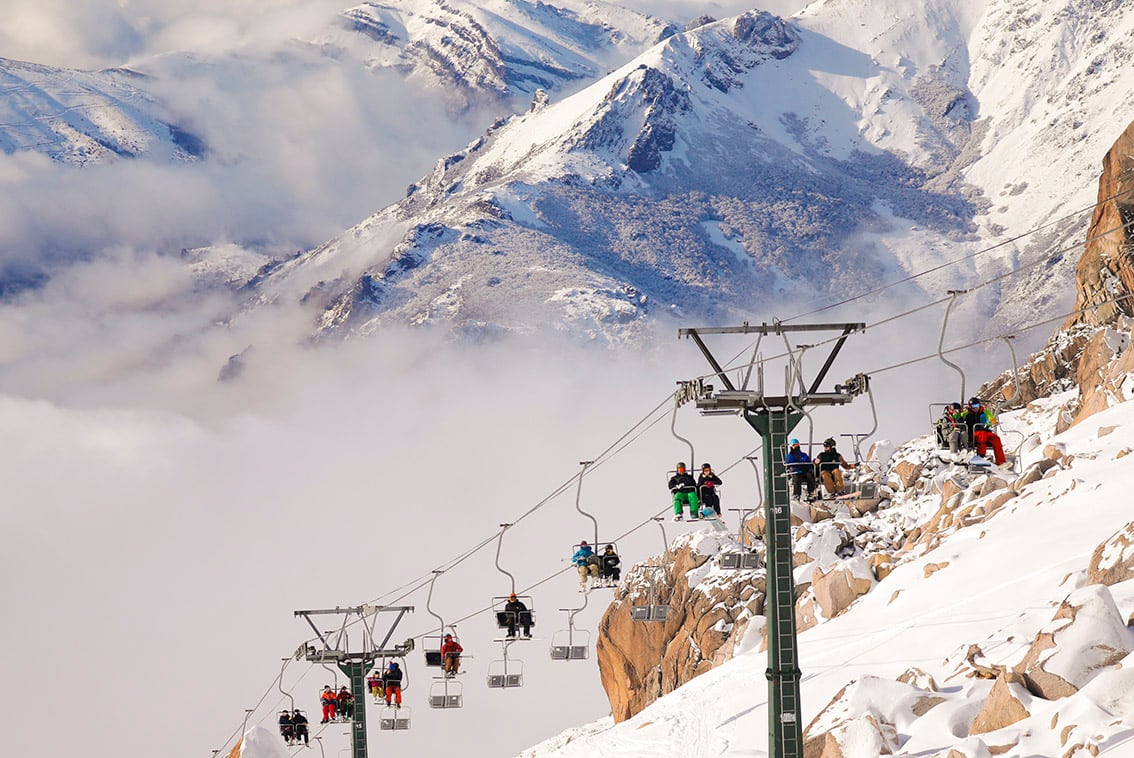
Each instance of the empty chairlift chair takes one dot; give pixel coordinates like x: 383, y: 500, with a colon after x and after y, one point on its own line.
x: 507, y: 672
x: 571, y: 644
x: 394, y: 719
x: 446, y: 693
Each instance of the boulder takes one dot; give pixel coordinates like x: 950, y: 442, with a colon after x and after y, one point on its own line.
x: 1002, y: 707
x: 907, y: 472
x: 1086, y: 635
x: 1113, y: 560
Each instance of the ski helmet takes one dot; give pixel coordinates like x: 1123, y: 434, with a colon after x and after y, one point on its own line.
x: 829, y: 442
x: 680, y: 465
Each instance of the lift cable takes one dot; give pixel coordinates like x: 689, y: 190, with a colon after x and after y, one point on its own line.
x: 962, y: 259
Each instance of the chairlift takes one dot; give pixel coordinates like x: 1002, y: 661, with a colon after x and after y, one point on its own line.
x: 431, y: 644
x: 502, y: 616
x: 740, y: 560
x: 394, y: 718
x: 446, y: 692
x: 507, y: 672
x: 653, y: 611
x: 571, y: 644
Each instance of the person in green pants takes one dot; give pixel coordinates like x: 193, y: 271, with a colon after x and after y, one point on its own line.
x: 684, y: 489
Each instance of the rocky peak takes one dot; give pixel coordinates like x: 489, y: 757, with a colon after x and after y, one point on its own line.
x: 1092, y: 349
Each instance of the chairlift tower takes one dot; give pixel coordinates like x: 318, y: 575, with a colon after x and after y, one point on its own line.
x: 773, y: 417
x: 355, y: 663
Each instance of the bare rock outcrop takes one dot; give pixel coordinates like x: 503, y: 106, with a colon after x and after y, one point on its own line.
x: 641, y: 661
x: 1092, y: 350
x: 1087, y: 634
x: 1113, y: 560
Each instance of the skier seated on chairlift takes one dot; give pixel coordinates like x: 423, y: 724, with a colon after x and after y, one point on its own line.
x: 299, y: 724
x: 684, y: 489
x: 980, y: 422
x: 951, y: 428
x: 328, y: 699
x: 831, y: 463
x: 374, y: 684
x: 451, y: 654
x: 609, y: 572
x: 345, y: 706
x: 392, y: 679
x: 801, y: 468
x: 707, y: 483
x: 516, y: 612
x: 287, y: 728
x: 586, y: 563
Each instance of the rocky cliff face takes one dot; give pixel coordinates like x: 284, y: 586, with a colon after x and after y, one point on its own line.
x: 709, y: 611
x: 1092, y: 349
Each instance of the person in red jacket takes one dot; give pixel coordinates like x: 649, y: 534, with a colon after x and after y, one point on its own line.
x: 345, y: 706
x: 328, y: 699
x: 451, y: 652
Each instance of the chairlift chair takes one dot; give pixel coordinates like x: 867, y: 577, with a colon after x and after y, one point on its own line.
x: 507, y: 672
x: 570, y: 645
x: 597, y: 554
x: 502, y: 615
x: 431, y: 645
x: 652, y: 611
x: 445, y: 692
x: 740, y: 560
x: 394, y: 719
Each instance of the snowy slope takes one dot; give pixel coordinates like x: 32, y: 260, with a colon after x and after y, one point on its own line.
x: 996, y: 585
x: 754, y: 161
x: 83, y: 117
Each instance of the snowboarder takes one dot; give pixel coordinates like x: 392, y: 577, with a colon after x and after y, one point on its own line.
x: 707, y: 483
x: 516, y: 612
x: 831, y: 464
x: 801, y: 468
x: 684, y: 489
x: 980, y: 422
x: 287, y: 728
x: 328, y: 700
x: 451, y: 653
x: 610, y: 571
x: 374, y: 683
x: 582, y: 560
x: 392, y: 678
x: 345, y: 706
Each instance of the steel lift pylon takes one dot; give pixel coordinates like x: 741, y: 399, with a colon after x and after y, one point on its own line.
x: 355, y: 663
x: 773, y: 417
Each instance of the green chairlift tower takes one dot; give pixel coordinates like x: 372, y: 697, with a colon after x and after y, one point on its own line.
x: 773, y: 417
x: 336, y: 649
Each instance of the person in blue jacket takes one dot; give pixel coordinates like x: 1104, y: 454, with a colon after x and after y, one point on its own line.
x: 801, y: 468
x: 587, y: 564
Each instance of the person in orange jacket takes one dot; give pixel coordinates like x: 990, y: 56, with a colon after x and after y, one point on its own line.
x: 328, y: 699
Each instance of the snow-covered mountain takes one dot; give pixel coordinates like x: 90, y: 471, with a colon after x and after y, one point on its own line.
x: 88, y: 117
x: 750, y: 161
x: 487, y: 52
